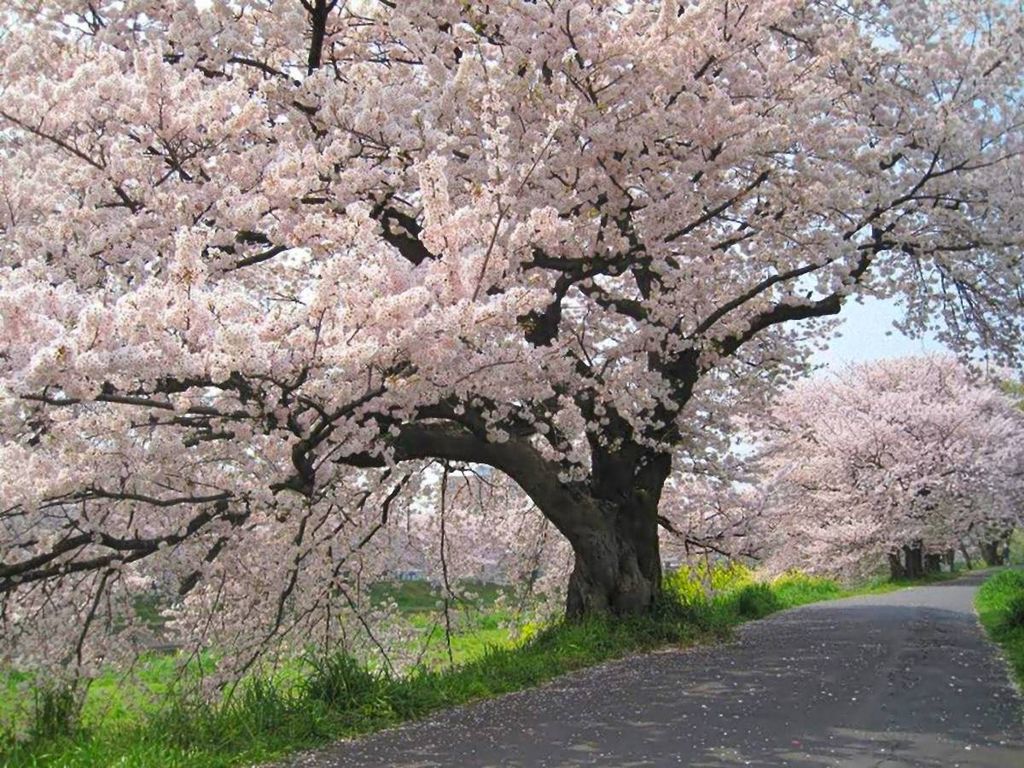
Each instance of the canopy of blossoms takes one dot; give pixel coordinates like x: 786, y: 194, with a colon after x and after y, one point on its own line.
x: 259, y: 262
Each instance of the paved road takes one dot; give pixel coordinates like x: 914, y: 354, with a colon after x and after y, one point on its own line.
x: 904, y: 679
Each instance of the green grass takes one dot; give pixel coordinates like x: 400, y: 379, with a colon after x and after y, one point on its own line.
x: 1000, y: 605
x: 325, y: 698
x: 795, y: 589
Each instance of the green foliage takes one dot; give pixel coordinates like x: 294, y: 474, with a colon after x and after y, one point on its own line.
x: 700, y: 582
x: 339, y: 681
x: 1015, y: 612
x: 55, y: 711
x: 756, y: 601
x: 1000, y: 604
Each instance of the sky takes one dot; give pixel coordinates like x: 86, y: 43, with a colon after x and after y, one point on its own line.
x: 867, y: 333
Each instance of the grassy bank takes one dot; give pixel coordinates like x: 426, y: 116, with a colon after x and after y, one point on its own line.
x: 338, y: 696
x: 1000, y: 604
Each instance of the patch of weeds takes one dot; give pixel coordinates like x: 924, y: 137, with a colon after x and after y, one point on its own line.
x: 705, y: 580
x: 795, y: 588
x: 755, y: 601
x: 55, y: 712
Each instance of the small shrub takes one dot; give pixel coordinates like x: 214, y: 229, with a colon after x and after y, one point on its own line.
x: 756, y: 600
x: 342, y: 682
x: 262, y: 704
x: 700, y: 582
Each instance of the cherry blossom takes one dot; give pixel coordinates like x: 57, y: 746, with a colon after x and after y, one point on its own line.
x: 262, y: 263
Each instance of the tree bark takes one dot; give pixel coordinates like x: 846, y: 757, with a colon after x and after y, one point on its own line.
x: 617, y: 568
x: 896, y: 569
x: 932, y: 563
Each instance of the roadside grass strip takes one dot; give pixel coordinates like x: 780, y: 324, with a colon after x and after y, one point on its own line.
x: 1000, y: 606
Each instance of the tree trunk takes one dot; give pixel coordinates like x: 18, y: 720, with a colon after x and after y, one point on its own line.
x: 617, y: 569
x: 896, y: 569
x: 992, y: 552
x: 611, y: 520
x: 932, y: 562
x: 950, y: 558
x: 912, y: 555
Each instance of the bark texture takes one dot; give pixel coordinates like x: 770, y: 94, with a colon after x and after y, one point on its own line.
x: 615, y: 538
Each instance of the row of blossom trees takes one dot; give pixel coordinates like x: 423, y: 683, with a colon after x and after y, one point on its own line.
x: 907, y: 459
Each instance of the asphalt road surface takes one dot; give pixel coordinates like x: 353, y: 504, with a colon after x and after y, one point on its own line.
x: 903, y: 679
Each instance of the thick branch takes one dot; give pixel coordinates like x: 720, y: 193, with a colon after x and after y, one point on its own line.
x: 318, y: 11
x: 401, y: 231
x: 784, y: 313
x: 537, y: 476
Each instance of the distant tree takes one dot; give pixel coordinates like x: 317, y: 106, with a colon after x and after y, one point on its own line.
x: 904, y: 458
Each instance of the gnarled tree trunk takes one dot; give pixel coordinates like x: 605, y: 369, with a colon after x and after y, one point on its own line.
x: 618, y: 566
x: 614, y: 537
x: 611, y: 520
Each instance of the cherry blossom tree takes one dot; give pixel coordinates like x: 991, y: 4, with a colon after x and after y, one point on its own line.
x: 260, y: 261
x: 897, y: 458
